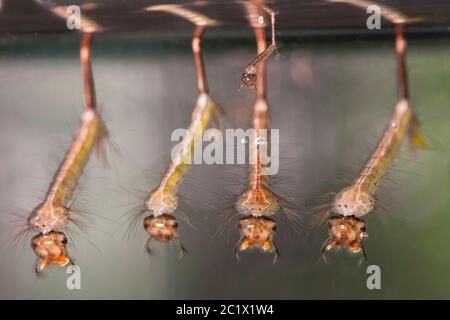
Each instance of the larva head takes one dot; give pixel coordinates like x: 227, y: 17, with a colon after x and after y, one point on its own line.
x: 50, y: 248
x: 49, y: 216
x: 162, y: 202
x: 162, y: 228
x: 258, y: 202
x: 353, y: 201
x: 249, y: 76
x: 347, y: 232
x: 249, y: 79
x: 257, y: 232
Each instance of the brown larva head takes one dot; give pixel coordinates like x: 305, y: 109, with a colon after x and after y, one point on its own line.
x: 353, y: 201
x: 249, y: 79
x: 50, y: 248
x: 249, y: 75
x: 257, y: 232
x: 162, y: 228
x: 49, y: 216
x: 347, y: 232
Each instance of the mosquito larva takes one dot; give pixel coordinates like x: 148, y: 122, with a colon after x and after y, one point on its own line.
x: 357, y: 200
x: 249, y: 76
x: 54, y: 212
x: 258, y: 202
x: 161, y: 225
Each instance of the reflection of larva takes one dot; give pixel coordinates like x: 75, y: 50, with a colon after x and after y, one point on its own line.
x: 388, y: 13
x: 54, y: 212
x: 162, y: 202
x: 353, y: 202
x: 249, y: 76
x: 196, y: 18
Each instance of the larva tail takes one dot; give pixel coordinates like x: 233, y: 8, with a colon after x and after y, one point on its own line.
x: 416, y: 138
x: 101, y: 141
x: 41, y: 264
x: 217, y: 113
x: 266, y: 246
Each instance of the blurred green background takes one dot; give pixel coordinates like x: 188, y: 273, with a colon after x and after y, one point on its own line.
x: 330, y: 98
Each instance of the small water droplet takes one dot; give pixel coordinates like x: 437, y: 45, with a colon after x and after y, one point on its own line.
x: 261, y: 20
x: 261, y: 141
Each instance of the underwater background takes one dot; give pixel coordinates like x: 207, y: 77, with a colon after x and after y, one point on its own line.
x: 330, y: 94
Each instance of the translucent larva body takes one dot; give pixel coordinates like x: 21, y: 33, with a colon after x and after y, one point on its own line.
x: 204, y: 111
x: 53, y: 212
x: 258, y: 202
x: 358, y: 199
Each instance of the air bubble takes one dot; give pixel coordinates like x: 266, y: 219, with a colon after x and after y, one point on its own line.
x: 261, y: 20
x: 260, y: 141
